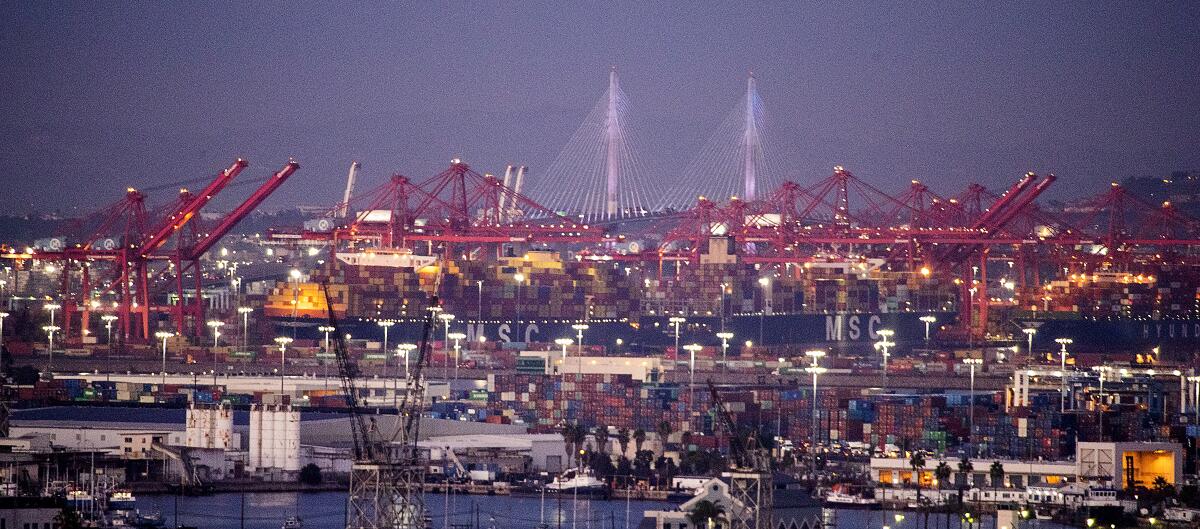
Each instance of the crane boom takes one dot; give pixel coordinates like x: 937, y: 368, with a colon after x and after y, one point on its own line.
x: 181, y: 216
x: 344, y: 209
x: 243, y: 209
x: 347, y: 371
x: 749, y: 473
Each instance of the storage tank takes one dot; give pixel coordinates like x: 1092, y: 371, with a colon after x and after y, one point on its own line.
x: 274, y: 438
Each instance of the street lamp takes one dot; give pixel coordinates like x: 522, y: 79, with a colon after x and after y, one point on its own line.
x: 676, y: 321
x: 164, y: 335
x: 692, y: 349
x: 1029, y: 333
x: 725, y: 336
x: 814, y: 368
x: 564, y: 342
x: 456, y: 336
x: 108, y: 320
x: 245, y: 312
x: 971, y: 363
x: 1062, y: 356
x: 928, y: 319
x: 579, y: 328
x: 50, y: 330
x: 283, y: 342
x: 882, y: 345
x: 765, y: 283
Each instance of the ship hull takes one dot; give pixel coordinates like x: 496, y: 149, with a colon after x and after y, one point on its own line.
x: 1112, y: 335
x: 847, y: 331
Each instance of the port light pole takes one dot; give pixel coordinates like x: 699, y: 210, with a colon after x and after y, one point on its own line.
x: 283, y: 342
x: 692, y: 349
x: 1029, y: 334
x: 2, y: 316
x: 972, y: 363
x: 385, y: 325
x: 883, y: 345
x: 814, y: 368
x: 765, y: 283
x: 676, y: 321
x: 406, y: 349
x: 928, y: 319
x: 1102, y: 371
x: 457, y: 337
x: 520, y: 279
x: 1062, y: 356
x: 564, y: 342
x: 108, y: 320
x: 164, y: 336
x: 725, y: 336
x: 579, y: 328
x: 52, y: 307
x: 216, y: 327
x: 245, y: 312
x: 50, y: 330
x: 446, y: 318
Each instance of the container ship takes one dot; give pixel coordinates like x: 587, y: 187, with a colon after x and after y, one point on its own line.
x: 1158, y: 307
x: 539, y: 296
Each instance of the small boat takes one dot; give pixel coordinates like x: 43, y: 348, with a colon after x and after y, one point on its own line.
x: 149, y: 521
x: 1181, y: 514
x: 122, y: 500
x: 137, y: 520
x: 79, y: 500
x: 293, y: 522
x: 576, y: 481
x: 851, y: 496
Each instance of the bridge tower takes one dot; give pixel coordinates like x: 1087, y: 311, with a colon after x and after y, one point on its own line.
x: 750, y: 141
x: 612, y: 134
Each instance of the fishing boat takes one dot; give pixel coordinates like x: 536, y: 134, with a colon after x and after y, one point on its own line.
x: 293, y: 522
x: 122, y: 500
x: 576, y: 481
x: 851, y: 496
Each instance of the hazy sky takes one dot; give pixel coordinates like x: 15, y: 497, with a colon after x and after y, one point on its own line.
x: 101, y: 95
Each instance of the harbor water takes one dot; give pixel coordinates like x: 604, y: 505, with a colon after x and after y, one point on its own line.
x: 327, y: 510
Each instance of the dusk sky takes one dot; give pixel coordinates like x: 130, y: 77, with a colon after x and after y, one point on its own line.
x: 102, y: 95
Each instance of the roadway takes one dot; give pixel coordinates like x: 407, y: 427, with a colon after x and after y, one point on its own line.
x: 327, y: 375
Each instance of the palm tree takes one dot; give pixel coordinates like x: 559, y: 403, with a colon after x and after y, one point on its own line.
x: 578, y: 437
x: 568, y: 434
x: 997, y: 474
x: 639, y: 437
x: 942, y: 473
x: 664, y: 433
x: 704, y: 513
x: 623, y: 440
x: 917, y: 462
x: 965, y: 468
x: 600, y: 436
